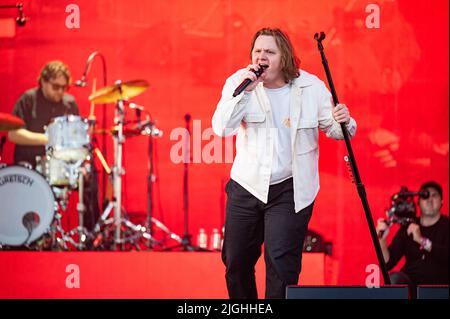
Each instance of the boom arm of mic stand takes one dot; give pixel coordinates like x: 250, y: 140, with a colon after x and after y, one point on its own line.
x: 357, y: 179
x: 104, y: 115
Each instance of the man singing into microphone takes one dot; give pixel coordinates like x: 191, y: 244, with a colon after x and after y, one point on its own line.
x: 424, y: 245
x: 274, y: 178
x: 37, y: 106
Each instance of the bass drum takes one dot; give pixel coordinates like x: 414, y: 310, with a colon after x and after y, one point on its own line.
x: 27, y: 206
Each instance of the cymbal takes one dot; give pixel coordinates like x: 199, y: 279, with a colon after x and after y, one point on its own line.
x: 10, y: 122
x: 120, y: 90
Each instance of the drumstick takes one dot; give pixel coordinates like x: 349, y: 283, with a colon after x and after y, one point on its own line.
x: 91, y: 116
x: 91, y: 112
x: 102, y: 160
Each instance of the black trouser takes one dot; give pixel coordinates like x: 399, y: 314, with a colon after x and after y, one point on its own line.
x: 249, y: 223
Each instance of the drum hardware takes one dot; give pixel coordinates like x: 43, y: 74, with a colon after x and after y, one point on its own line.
x: 81, y: 231
x: 124, y: 231
x: 68, y: 153
x: 68, y: 149
x: 68, y: 138
x: 117, y: 93
x: 59, y: 173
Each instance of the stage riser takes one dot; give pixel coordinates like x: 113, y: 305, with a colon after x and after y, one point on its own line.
x: 175, y: 275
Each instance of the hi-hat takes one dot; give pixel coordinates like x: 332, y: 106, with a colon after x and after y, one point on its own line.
x: 119, y: 91
x: 129, y: 130
x: 10, y: 122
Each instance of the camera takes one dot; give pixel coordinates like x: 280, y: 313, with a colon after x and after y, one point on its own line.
x: 403, y: 207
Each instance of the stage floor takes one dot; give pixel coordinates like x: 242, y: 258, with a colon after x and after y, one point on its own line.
x: 137, y: 275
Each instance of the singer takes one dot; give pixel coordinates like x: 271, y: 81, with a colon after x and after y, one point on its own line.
x: 37, y: 106
x: 424, y: 244
x: 274, y: 177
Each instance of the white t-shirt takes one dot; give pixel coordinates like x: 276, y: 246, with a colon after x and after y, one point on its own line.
x: 282, y: 156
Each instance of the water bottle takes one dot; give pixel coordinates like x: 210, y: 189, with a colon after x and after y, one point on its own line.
x: 202, y: 239
x: 215, y: 240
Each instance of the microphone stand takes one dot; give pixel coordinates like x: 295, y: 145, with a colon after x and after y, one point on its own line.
x: 150, y: 188
x: 354, y: 169
x: 104, y: 113
x: 185, y: 244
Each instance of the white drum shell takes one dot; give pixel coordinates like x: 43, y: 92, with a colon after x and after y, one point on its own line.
x: 68, y: 138
x: 22, y: 191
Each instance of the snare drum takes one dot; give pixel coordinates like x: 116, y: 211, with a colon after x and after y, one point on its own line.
x: 26, y: 201
x: 68, y: 138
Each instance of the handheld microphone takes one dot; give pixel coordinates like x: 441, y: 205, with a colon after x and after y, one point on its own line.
x: 247, y: 82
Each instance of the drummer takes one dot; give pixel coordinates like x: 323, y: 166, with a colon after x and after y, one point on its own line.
x: 37, y: 106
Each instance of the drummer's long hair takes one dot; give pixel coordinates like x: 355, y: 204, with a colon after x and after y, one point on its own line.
x: 290, y: 63
x: 52, y: 69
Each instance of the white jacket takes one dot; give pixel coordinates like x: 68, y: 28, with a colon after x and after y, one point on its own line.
x: 249, y: 116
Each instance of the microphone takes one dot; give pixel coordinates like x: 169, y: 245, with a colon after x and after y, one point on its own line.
x: 247, y: 82
x: 83, y: 82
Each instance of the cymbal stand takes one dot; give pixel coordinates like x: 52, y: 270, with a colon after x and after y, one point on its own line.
x: 117, y: 221
x: 118, y: 170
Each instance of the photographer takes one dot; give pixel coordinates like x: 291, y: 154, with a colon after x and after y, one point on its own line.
x: 424, y: 244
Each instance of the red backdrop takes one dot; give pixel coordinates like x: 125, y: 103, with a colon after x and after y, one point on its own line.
x: 393, y: 78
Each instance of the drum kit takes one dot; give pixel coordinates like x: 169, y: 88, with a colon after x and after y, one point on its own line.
x: 33, y: 201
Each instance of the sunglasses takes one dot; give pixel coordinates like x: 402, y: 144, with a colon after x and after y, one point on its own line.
x: 57, y: 87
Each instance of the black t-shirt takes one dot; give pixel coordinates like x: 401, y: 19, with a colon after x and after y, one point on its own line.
x: 37, y: 111
x: 424, y: 268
